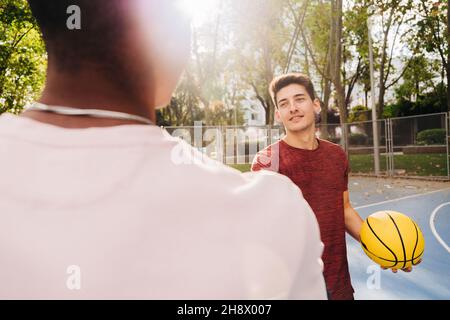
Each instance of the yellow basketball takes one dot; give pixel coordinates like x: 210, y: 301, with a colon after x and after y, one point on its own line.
x: 392, y: 239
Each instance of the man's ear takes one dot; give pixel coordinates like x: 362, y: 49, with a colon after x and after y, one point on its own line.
x: 278, y: 116
x: 317, y: 106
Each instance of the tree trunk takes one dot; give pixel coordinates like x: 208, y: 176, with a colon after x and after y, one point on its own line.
x: 448, y: 56
x: 366, y: 95
x: 340, y: 89
x: 307, y: 72
x: 324, y: 112
x: 269, y: 76
x: 268, y: 116
x: 380, y: 106
x: 336, y: 64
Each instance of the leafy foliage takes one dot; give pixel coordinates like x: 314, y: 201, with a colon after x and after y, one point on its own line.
x: 22, y: 56
x: 431, y: 136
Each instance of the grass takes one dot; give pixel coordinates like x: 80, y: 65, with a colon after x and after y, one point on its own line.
x: 363, y: 163
x: 241, y: 167
x: 413, y: 164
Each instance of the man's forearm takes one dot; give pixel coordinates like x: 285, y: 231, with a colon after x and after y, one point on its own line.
x: 353, y: 222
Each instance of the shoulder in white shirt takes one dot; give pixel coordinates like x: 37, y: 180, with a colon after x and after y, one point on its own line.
x: 109, y: 213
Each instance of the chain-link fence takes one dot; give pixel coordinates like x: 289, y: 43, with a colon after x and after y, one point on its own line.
x: 416, y: 146
x: 419, y: 146
x: 229, y: 144
x: 358, y: 140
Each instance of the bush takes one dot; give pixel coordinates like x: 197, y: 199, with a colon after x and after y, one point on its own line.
x: 359, y: 113
x: 431, y: 136
x: 358, y: 139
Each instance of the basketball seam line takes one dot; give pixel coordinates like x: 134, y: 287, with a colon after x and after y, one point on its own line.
x: 401, y: 239
x: 370, y: 227
x: 417, y: 241
x: 398, y: 261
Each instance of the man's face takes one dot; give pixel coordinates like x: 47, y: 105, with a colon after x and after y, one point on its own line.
x: 296, y: 110
x: 160, y: 42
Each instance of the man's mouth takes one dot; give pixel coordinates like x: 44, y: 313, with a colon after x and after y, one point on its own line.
x: 297, y: 117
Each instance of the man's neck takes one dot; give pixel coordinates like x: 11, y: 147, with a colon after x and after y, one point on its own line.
x: 87, y: 91
x: 302, y: 140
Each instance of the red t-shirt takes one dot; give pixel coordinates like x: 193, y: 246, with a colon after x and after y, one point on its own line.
x: 322, y: 176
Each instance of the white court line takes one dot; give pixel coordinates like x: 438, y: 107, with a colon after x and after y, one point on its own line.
x: 433, y: 229
x: 407, y: 197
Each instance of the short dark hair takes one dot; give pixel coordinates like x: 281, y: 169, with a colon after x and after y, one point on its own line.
x: 97, y: 40
x: 285, y: 80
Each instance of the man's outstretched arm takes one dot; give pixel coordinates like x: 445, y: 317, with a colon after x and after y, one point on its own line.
x: 353, y: 221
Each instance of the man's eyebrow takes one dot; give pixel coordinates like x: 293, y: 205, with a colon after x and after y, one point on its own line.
x: 295, y: 96
x: 282, y: 100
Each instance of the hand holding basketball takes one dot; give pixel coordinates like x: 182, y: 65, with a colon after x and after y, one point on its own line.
x: 404, y: 270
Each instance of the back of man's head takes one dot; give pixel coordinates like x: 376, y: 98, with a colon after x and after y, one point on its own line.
x: 132, y: 42
x: 78, y: 31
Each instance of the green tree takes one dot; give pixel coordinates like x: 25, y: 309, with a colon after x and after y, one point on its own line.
x: 356, y: 51
x: 359, y: 114
x: 430, y: 102
x: 393, y: 15
x: 184, y: 108
x: 22, y: 56
x: 434, y: 33
x: 261, y: 39
x: 417, y: 79
x: 312, y: 20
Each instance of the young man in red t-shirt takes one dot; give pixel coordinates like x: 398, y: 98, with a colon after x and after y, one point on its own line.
x: 320, y: 169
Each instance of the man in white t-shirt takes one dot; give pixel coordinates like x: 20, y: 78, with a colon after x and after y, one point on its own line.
x: 100, y: 206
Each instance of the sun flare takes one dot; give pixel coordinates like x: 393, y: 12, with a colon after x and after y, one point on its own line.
x: 199, y: 11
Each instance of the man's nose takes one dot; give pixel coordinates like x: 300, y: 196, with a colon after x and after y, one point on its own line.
x: 293, y: 107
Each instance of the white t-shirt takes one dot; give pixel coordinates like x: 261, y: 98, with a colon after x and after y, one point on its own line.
x: 112, y: 213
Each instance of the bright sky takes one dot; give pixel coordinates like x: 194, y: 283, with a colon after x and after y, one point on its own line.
x: 200, y: 10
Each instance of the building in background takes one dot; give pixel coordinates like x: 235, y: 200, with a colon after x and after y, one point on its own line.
x: 254, y: 114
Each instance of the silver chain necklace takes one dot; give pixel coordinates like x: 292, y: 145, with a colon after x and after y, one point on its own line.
x: 96, y: 113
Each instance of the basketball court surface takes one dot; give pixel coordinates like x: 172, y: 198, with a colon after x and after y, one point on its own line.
x: 427, y: 203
